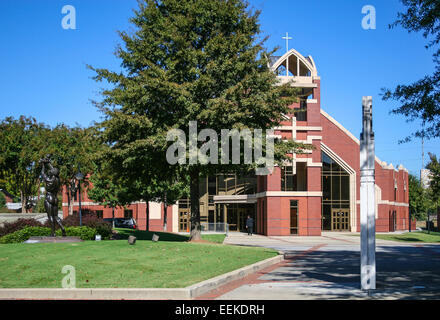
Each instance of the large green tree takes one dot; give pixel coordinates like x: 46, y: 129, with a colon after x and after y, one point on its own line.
x: 189, y: 60
x: 419, y: 199
x: 2, y: 201
x: 103, y: 190
x: 22, y: 143
x: 72, y: 149
x: 421, y: 99
x: 434, y: 168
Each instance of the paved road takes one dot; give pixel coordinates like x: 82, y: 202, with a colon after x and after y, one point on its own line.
x: 328, y: 267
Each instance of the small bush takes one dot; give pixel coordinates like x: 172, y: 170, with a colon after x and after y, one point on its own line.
x: 40, y: 206
x: 10, y: 227
x: 85, y: 233
x: 24, y: 234
x: 2, y: 201
x: 102, y: 227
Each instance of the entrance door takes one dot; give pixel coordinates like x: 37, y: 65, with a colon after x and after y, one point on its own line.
x: 241, y: 221
x: 237, y: 215
x: 340, y: 220
x: 392, y: 221
x: 184, y: 214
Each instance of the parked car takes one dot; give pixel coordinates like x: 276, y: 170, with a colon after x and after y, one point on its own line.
x: 127, y: 223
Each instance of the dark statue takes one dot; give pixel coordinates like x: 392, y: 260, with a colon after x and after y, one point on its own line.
x: 52, y: 185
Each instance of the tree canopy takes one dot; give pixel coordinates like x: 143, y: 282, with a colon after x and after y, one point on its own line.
x: 421, y: 99
x: 24, y: 141
x: 434, y: 168
x: 188, y: 60
x: 22, y: 145
x: 419, y: 200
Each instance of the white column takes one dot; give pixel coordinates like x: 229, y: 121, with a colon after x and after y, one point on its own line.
x: 368, y: 216
x: 294, y: 139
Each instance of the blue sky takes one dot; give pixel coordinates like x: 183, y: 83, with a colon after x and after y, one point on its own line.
x: 44, y: 74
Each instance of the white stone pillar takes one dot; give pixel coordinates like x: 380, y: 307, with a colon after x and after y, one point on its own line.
x: 368, y: 216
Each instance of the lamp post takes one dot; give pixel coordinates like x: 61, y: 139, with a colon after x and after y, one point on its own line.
x: 79, y: 176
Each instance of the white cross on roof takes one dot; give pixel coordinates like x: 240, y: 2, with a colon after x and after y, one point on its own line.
x: 287, y: 38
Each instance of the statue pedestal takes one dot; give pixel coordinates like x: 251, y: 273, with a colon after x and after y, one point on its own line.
x: 52, y: 239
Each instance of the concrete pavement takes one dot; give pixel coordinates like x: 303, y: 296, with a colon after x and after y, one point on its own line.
x: 328, y: 267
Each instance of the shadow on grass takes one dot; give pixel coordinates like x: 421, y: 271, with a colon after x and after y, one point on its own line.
x: 408, y: 239
x: 148, y: 235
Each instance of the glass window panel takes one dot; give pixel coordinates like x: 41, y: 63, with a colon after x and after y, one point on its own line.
x: 230, y: 184
x: 221, y: 184
x: 326, y: 162
x: 326, y: 187
x: 335, y: 194
x: 212, y: 185
x: 336, y: 185
x: 301, y: 177
x: 290, y: 183
x: 345, y: 188
x: 336, y: 167
x: 251, y: 184
x: 202, y: 186
x: 326, y: 217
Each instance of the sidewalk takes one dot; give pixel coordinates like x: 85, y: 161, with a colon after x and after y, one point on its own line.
x: 327, y: 267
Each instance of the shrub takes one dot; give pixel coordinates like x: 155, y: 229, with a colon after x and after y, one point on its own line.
x: 85, y: 233
x: 24, y: 234
x: 10, y: 227
x: 102, y: 227
x: 40, y: 206
x: 2, y: 200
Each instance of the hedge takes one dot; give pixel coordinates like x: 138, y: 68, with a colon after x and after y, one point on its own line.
x: 102, y: 227
x: 85, y: 233
x: 11, y: 227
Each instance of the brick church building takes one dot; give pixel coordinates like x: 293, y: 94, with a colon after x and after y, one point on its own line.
x: 318, y: 192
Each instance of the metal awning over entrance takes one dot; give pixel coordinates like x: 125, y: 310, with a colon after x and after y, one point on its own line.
x: 235, y: 199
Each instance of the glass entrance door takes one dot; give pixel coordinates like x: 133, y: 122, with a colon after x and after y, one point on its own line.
x: 340, y: 220
x: 242, y: 216
x: 184, y: 213
x: 237, y: 216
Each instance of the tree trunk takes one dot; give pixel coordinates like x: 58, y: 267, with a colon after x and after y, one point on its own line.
x: 69, y: 202
x: 113, y: 217
x: 23, y: 202
x: 165, y: 212
x: 147, y: 214
x: 195, y: 205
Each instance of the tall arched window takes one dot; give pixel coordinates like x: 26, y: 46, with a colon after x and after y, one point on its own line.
x: 335, y: 193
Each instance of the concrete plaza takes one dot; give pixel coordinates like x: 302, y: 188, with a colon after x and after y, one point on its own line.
x: 327, y: 267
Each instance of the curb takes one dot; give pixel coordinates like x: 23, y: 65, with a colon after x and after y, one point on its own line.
x: 94, y: 294
x: 136, y: 293
x: 213, y: 283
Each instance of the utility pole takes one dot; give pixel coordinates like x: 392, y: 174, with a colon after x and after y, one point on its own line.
x: 368, y: 207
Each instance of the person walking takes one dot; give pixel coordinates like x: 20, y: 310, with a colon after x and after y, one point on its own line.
x: 250, y: 225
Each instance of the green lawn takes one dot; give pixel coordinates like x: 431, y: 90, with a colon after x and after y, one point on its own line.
x: 419, y: 236
x: 116, y: 264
